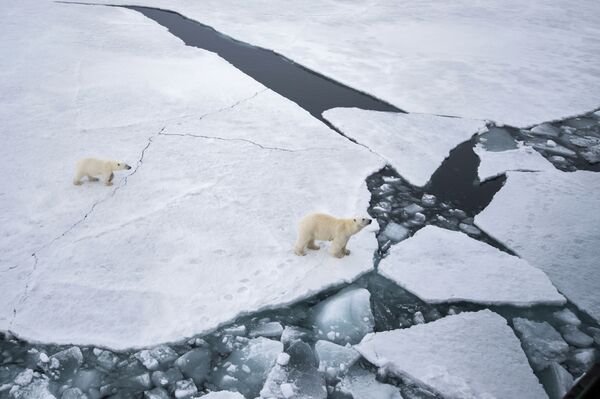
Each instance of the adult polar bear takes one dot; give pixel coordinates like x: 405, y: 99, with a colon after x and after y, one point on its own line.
x: 92, y: 167
x: 322, y: 227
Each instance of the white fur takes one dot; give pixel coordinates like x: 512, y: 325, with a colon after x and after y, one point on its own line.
x: 321, y: 227
x: 92, y: 168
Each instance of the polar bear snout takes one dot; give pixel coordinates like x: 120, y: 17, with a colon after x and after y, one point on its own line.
x: 362, y: 222
x: 127, y: 167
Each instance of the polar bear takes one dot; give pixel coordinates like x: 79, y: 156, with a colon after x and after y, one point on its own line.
x: 92, y: 167
x: 322, y: 227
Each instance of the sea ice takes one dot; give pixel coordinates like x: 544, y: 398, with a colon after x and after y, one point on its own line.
x: 299, y: 377
x: 272, y: 329
x: 524, y: 158
x: 259, y: 355
x: 469, y: 355
x: 581, y: 360
x: 440, y: 265
x: 542, y: 343
x: 565, y: 316
x: 185, y: 389
x: 345, y: 317
x: 415, y: 145
x: 545, y: 129
x: 339, y: 358
x: 502, y: 60
x: 394, y: 232
x: 38, y: 389
x: 574, y: 336
x: 557, y: 381
x: 554, y: 226
x: 156, y: 393
x: 167, y: 377
x: 362, y: 384
x: 223, y: 395
x: 195, y: 364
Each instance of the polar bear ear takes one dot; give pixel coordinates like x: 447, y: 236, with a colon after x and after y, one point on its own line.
x: 354, y: 220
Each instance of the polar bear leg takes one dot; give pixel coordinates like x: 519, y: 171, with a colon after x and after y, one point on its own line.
x: 338, y: 247
x: 92, y: 178
x: 107, y: 178
x: 311, y: 245
x: 301, y: 243
x: 77, y: 179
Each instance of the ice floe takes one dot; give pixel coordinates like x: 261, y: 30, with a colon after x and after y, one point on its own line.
x: 362, y: 384
x: 155, y: 258
x: 542, y: 343
x: 469, y: 355
x: 501, y: 60
x: 554, y: 226
x: 415, y: 145
x: 523, y: 158
x: 440, y: 265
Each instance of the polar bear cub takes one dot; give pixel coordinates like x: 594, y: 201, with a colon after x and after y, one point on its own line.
x: 92, y: 167
x: 322, y: 227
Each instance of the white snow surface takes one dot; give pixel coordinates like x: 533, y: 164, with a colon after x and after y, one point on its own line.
x: 523, y: 158
x: 440, y: 265
x: 415, y: 145
x: 223, y: 395
x: 551, y: 219
x: 200, y: 230
x: 515, y: 62
x: 469, y: 355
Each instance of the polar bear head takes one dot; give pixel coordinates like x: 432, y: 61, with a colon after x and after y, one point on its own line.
x: 362, y: 222
x: 119, y: 165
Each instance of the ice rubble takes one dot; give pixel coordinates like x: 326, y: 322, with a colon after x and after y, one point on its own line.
x: 150, y: 262
x: 469, y: 355
x: 335, y: 359
x: 542, y: 343
x: 459, y: 64
x: 523, y: 158
x: 246, y: 369
x: 414, y: 144
x: 557, y: 381
x: 465, y: 270
x: 554, y: 226
x: 223, y: 395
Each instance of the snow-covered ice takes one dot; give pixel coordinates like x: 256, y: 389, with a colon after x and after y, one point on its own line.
x: 469, y: 355
x: 362, y: 384
x: 345, y: 317
x: 223, y: 395
x: 523, y: 158
x: 394, y: 232
x: 440, y: 265
x: 554, y: 226
x: 154, y: 260
x: 500, y: 60
x: 415, y: 145
x: 334, y: 356
x: 542, y: 343
x: 574, y: 336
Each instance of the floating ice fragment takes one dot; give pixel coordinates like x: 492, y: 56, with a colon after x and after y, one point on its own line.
x: 574, y: 336
x: 85, y: 379
x: 24, y: 377
x: 595, y: 333
x: 413, y: 208
x: 553, y: 149
x: 37, y: 389
x: 592, y: 154
x: 185, y: 388
x: 259, y: 354
x: 469, y: 229
x: 551, y: 143
x: 344, y: 314
x: 272, y: 329
x: 580, y: 360
x: 418, y: 318
x: 168, y: 377
x: 557, y: 381
x: 338, y: 357
x: 156, y: 393
x: 283, y: 359
x: 545, y: 129
x: 362, y: 384
x: 541, y: 342
x: 223, y: 395
x: 287, y: 390
x: 235, y: 330
x: 73, y: 393
x: 153, y: 358
x: 292, y: 333
x: 195, y: 364
x: 394, y: 232
x: 470, y: 355
x: 105, y: 359
x: 428, y: 200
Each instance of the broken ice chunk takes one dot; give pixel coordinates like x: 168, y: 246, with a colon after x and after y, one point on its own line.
x: 469, y: 229
x: 283, y: 359
x: 574, y: 336
x: 331, y: 355
x: 273, y: 329
x: 287, y: 390
x: 394, y: 232
x: 565, y: 316
x: 595, y: 333
x: 87, y: 378
x: 592, y: 154
x: 428, y: 200
x: 38, y: 389
x: 153, y: 358
x: 300, y: 374
x: 259, y: 355
x: 67, y: 361
x: 185, y: 388
x: 168, y: 377
x: 557, y: 381
x: 292, y: 333
x: 24, y: 377
x: 413, y: 208
x: 555, y: 149
x: 195, y: 364
x: 551, y: 143
x: 541, y: 342
x: 580, y: 360
x: 418, y: 318
x: 156, y: 393
x: 362, y: 384
x: 346, y: 314
x: 73, y: 393
x: 223, y: 395
x: 545, y: 129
